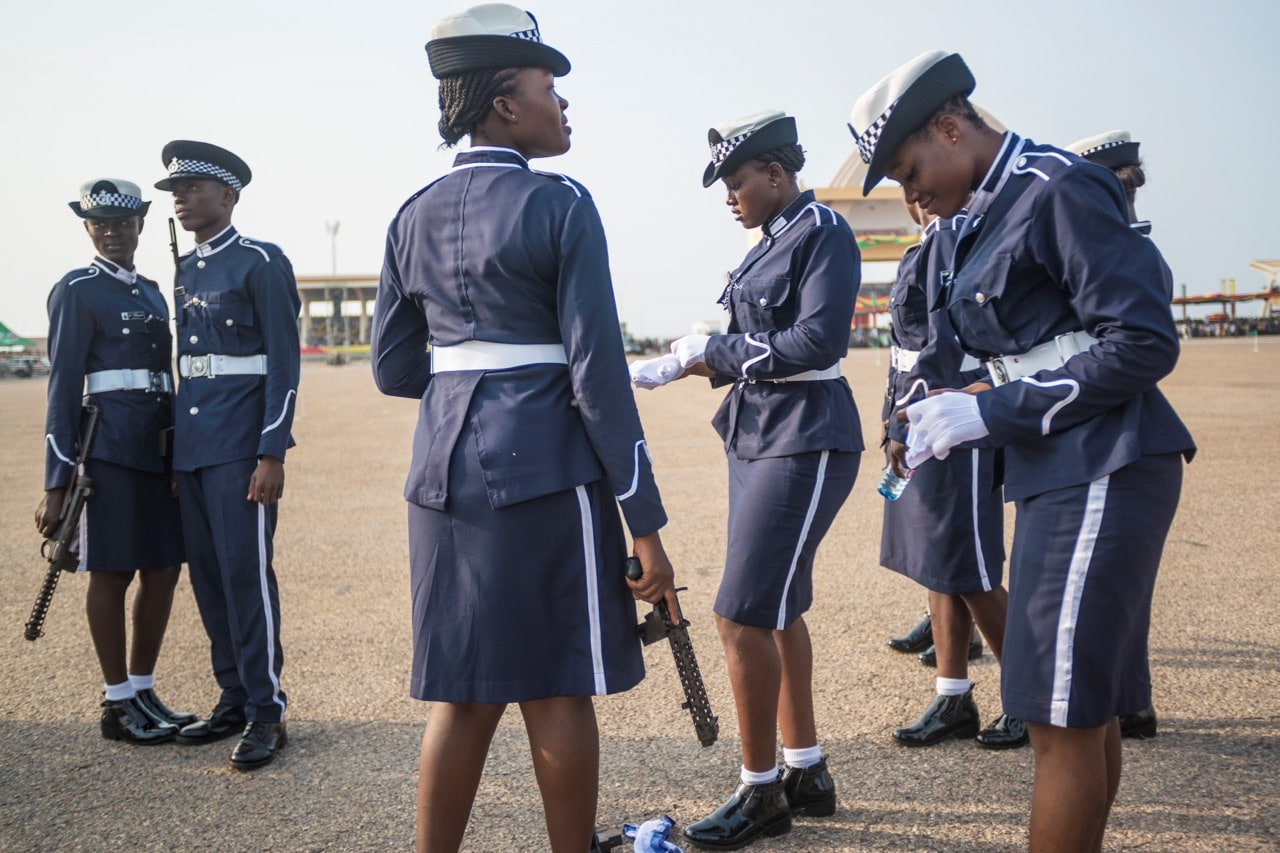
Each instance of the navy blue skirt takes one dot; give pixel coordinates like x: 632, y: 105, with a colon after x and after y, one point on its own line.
x: 779, y: 509
x: 130, y: 522
x: 946, y: 532
x: 524, y: 602
x: 1081, y: 577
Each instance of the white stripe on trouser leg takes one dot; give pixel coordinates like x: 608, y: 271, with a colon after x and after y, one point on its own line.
x: 268, y: 616
x: 977, y: 522
x: 1072, y: 592
x: 82, y: 536
x: 804, y: 534
x: 593, y: 588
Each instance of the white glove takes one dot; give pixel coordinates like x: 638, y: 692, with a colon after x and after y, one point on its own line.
x: 691, y: 349
x: 940, y: 423
x: 653, y: 372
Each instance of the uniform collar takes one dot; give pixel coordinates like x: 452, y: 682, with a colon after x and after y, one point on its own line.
x: 487, y: 155
x: 119, y: 273
x: 994, y: 181
x: 217, y: 243
x: 1142, y: 226
x: 938, y: 224
x: 780, y: 223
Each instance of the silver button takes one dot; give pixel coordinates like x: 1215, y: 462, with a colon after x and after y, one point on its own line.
x: 980, y: 297
x: 230, y: 322
x: 199, y: 265
x: 195, y: 410
x: 1022, y: 162
x: 134, y: 291
x: 125, y: 330
x: 763, y: 302
x: 153, y: 346
x: 193, y: 339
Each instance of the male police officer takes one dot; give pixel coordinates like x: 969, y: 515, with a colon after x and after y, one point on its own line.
x: 237, y: 306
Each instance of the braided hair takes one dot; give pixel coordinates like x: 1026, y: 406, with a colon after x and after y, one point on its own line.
x: 465, y: 100
x: 790, y: 157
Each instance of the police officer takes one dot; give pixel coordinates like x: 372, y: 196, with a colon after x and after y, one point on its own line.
x: 528, y: 439
x: 1118, y: 151
x: 793, y: 440
x: 237, y: 305
x: 1069, y: 307
x: 945, y: 530
x: 109, y: 344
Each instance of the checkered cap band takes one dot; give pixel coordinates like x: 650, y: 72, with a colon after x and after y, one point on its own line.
x: 869, y: 138
x: 198, y: 168
x: 528, y: 35
x: 721, y: 150
x: 107, y: 199
x: 1103, y: 147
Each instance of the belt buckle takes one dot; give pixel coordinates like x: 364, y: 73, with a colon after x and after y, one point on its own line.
x: 200, y: 366
x: 155, y: 382
x: 998, y: 368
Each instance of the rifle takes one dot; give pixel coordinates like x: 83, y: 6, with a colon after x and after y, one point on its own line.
x: 179, y: 292
x: 657, y: 625
x: 57, y: 549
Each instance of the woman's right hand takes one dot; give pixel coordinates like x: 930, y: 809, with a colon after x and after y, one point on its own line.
x: 897, y: 457
x: 657, y: 579
x: 49, y: 511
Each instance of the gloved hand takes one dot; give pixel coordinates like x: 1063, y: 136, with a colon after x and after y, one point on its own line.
x: 941, y: 422
x: 651, y: 836
x: 691, y: 349
x: 653, y: 372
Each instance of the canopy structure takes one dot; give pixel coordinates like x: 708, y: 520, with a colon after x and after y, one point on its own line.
x: 10, y: 342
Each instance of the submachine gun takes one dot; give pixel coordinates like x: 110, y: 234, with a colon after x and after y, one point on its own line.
x: 58, y: 549
x: 657, y: 625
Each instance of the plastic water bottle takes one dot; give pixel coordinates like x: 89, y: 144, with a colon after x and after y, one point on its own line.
x: 891, y: 486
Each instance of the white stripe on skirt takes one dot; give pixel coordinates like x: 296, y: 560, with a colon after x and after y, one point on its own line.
x: 974, y: 456
x: 593, y: 588
x: 804, y: 534
x: 266, y: 607
x: 1072, y: 592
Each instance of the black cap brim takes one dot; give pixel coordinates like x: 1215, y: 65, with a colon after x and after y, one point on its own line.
x: 456, y: 55
x: 773, y: 135
x: 1115, y: 156
x: 945, y: 79
x: 108, y: 212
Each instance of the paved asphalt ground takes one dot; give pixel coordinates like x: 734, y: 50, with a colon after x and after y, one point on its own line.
x: 1209, y: 782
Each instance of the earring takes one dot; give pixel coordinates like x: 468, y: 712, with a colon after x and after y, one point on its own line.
x: 774, y: 184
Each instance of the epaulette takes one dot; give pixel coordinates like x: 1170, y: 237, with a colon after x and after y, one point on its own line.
x: 260, y: 246
x: 569, y: 182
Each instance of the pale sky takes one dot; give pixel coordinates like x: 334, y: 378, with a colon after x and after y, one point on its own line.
x: 333, y: 107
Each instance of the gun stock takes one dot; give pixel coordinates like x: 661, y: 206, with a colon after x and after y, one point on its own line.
x: 58, y: 548
x: 657, y: 625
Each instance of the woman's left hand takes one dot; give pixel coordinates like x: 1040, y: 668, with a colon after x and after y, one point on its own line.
x: 939, y: 423
x: 658, y: 579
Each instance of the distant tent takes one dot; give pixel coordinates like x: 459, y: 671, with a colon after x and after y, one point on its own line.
x: 13, y: 343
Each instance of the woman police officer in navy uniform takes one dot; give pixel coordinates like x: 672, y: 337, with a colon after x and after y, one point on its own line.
x: 946, y: 529
x: 109, y: 343
x: 527, y: 442
x: 1069, y: 306
x: 793, y: 440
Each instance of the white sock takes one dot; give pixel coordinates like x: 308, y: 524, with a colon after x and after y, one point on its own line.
x: 953, y: 686
x: 751, y: 778
x: 801, y: 758
x: 118, y: 692
x: 142, y: 682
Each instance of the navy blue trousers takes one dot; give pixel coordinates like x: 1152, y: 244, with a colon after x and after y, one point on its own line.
x: 229, y: 557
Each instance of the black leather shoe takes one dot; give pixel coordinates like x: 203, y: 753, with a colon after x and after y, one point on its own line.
x: 947, y: 716
x: 810, y: 791
x: 258, y: 745
x: 223, y: 722
x: 753, y: 811
x: 919, y: 638
x: 1004, y: 732
x: 929, y: 657
x: 125, y: 719
x: 161, y: 712
x: 1141, y: 725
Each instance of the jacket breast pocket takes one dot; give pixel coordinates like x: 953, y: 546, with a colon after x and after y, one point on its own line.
x: 128, y: 340
x: 765, y: 302
x: 230, y: 322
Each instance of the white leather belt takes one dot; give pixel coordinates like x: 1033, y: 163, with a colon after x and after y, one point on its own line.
x: 209, y: 366
x: 488, y: 355
x: 832, y: 372
x: 1049, y: 355
x: 101, y: 381
x: 903, y: 360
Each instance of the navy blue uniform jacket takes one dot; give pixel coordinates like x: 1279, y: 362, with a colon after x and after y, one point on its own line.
x: 1053, y: 253
x: 791, y: 304
x: 496, y: 252
x: 240, y: 299
x: 919, y: 325
x: 102, y: 317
